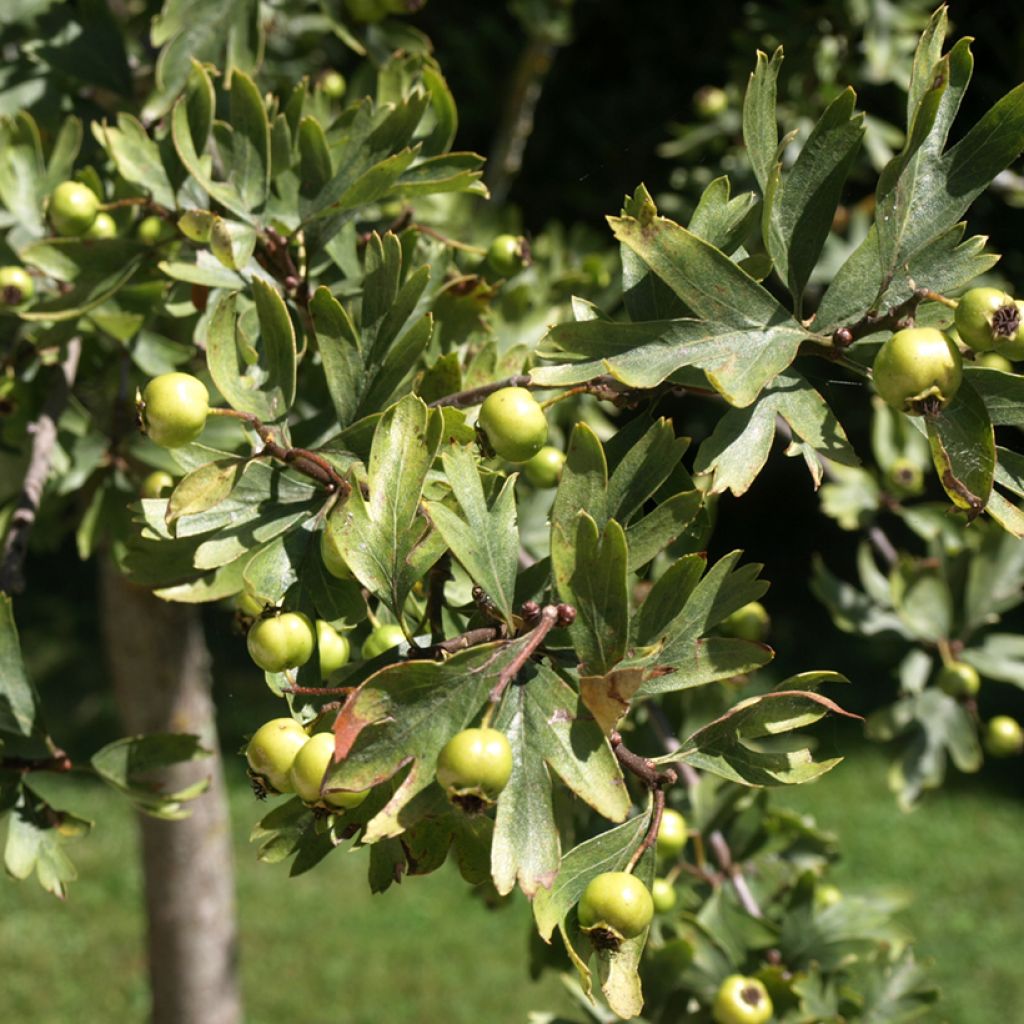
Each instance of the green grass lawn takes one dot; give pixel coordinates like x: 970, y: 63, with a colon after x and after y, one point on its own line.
x: 320, y: 947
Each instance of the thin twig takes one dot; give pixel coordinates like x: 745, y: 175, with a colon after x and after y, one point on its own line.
x: 44, y: 438
x: 548, y: 619
x: 300, y: 459
x: 735, y: 873
x: 474, y: 396
x: 59, y: 762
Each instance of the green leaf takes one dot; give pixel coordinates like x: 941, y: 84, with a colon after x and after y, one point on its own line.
x: 964, y: 450
x: 137, y: 157
x: 851, y: 609
x: 738, y: 448
x: 706, y: 280
x: 247, y: 162
x: 129, y: 766
x: 760, y: 131
x: 730, y: 747
x: 707, y: 660
x: 599, y: 591
x: 999, y: 656
x: 484, y: 540
x: 799, y: 215
x: 20, y: 712
x: 385, y: 539
x: 22, y: 172
x: 266, y: 388
x: 739, y: 361
x: 922, y: 599
x: 97, y: 269
x: 36, y: 835
x: 721, y: 221
x: 338, y: 343
x: 203, y: 488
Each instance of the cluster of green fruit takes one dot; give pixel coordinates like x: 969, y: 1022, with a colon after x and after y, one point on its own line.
x: 919, y: 369
x: 76, y: 211
x: 514, y: 424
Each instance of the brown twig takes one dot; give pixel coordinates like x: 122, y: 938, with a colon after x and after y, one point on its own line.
x: 59, y: 762
x: 898, y: 316
x: 44, y: 438
x: 319, y: 691
x: 735, y: 873
x: 300, y: 459
x: 654, y: 779
x: 474, y: 396
x: 471, y: 638
x: 550, y: 616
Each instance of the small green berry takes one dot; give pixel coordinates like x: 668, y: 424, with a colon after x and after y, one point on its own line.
x: 16, y: 286
x: 73, y: 208
x: 157, y: 484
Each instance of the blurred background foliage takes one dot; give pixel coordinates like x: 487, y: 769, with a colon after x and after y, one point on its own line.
x: 628, y: 95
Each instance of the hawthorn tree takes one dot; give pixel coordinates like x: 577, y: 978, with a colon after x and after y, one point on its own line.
x: 271, y: 353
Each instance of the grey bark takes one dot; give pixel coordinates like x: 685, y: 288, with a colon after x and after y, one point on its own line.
x: 161, y: 673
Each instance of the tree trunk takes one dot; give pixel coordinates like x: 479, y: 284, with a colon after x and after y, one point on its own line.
x: 161, y: 672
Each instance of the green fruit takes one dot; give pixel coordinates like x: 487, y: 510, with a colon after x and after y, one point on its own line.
x: 959, y: 679
x: 331, y: 556
x: 281, y: 642
x: 333, y: 85
x: 827, y: 895
x: 709, y: 101
x: 545, y: 468
x: 918, y: 370
x: 333, y: 648
x: 741, y: 1000
x: 176, y: 406
x: 153, y: 230
x: 750, y: 622
x: 615, y: 906
x: 104, y: 226
x: 986, y: 316
x: 382, y: 639
x: 157, y: 484
x: 73, y: 208
x: 272, y: 750
x: 508, y: 254
x: 475, y: 764
x: 308, y: 771
x: 994, y: 361
x: 1012, y: 347
x: 663, y: 895
x: 905, y: 477
x: 1004, y: 736
x: 671, y: 834
x: 16, y: 286
x: 514, y: 424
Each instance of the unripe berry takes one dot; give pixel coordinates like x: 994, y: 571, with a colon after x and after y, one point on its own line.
x: 1004, y: 736
x: 827, y: 895
x: 508, y: 254
x: 332, y: 557
x: 709, y: 101
x: 73, y: 207
x: 959, y: 679
x: 176, y: 407
x: 281, y: 642
x: 474, y: 766
x: 272, y: 750
x: 545, y: 468
x: 986, y: 316
x: 332, y: 647
x: 153, y: 230
x: 671, y: 834
x: 382, y: 639
x: 514, y: 424
x: 905, y: 477
x: 750, y: 622
x: 16, y: 286
x: 663, y: 895
x: 308, y: 771
x: 614, y: 906
x: 994, y: 361
x: 104, y: 226
x: 918, y: 370
x: 157, y: 484
x: 333, y: 84
x: 741, y: 1000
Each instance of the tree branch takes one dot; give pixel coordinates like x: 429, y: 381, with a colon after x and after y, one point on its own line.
x: 44, y: 437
